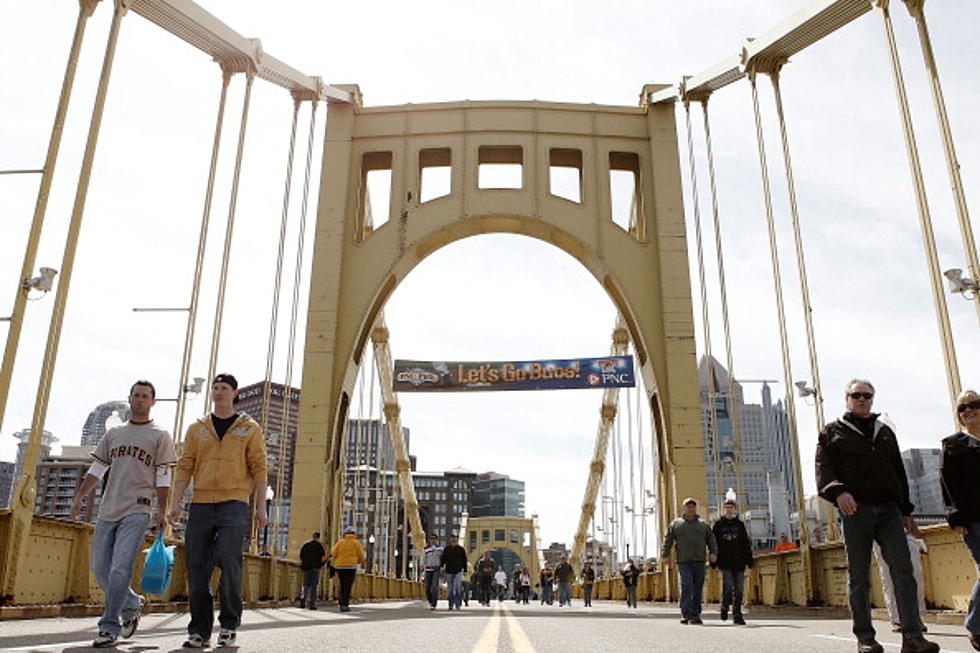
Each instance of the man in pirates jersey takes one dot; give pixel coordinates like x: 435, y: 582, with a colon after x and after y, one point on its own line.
x: 224, y: 455
x: 139, y: 455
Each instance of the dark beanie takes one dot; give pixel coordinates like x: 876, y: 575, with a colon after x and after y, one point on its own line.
x: 226, y: 378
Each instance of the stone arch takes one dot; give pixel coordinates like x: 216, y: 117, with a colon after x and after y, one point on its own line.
x: 356, y: 267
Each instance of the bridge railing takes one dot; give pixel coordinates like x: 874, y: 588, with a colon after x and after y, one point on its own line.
x: 57, y: 571
x: 778, y: 578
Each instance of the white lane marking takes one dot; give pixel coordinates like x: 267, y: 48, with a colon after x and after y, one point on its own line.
x: 886, y: 644
x: 518, y: 638
x: 491, y: 634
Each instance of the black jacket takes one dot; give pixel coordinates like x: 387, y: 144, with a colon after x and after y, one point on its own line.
x: 486, y: 567
x: 631, y: 575
x: 959, y: 473
x: 564, y: 573
x: 311, y: 555
x: 734, y: 546
x: 867, y: 463
x: 454, y: 559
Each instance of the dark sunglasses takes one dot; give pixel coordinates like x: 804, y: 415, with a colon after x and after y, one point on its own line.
x: 861, y: 395
x: 970, y: 405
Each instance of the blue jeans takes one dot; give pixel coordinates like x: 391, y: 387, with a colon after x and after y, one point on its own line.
x: 546, y: 593
x: 114, y: 548
x: 215, y: 535
x: 311, y: 578
x: 454, y: 584
x: 972, y: 541
x: 732, y: 583
x: 432, y: 586
x: 692, y: 586
x: 564, y: 593
x: 881, y: 523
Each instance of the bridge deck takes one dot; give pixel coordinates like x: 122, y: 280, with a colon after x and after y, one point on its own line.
x: 410, y: 626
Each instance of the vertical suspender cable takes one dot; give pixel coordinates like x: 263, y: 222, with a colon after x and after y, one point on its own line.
x: 725, y: 321
x: 85, y: 10
x: 811, y: 341
x: 270, y: 355
x: 229, y: 231
x: 712, y: 389
x: 925, y: 220
x: 629, y: 439
x: 23, y: 497
x: 202, y: 241
x: 915, y: 8
x: 294, y: 308
x: 643, y: 486
x: 783, y: 339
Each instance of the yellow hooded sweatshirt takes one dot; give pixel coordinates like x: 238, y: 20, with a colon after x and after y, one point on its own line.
x: 347, y: 552
x: 223, y: 469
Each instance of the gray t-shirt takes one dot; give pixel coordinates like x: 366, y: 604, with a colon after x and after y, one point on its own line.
x: 133, y: 453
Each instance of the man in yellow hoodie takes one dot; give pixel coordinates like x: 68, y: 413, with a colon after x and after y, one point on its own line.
x: 224, y: 455
x: 345, y: 555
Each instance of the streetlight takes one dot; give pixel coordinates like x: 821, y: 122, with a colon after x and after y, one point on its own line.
x: 270, y: 494
x: 371, y: 553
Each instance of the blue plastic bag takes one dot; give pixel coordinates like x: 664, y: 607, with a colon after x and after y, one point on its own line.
x: 157, y: 567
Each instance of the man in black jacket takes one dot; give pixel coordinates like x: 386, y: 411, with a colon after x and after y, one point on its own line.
x: 859, y: 469
x: 454, y: 564
x: 311, y: 557
x: 734, y: 555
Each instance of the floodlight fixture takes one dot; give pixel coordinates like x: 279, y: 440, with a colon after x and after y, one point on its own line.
x: 804, y: 390
x: 960, y: 285
x: 44, y: 281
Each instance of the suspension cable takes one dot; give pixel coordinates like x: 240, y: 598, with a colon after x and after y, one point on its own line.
x: 294, y: 308
x: 713, y: 429
x: 811, y: 340
x: 643, y: 487
x: 783, y: 338
x: 229, y: 231
x: 733, y: 408
x: 202, y: 240
x: 629, y: 438
x: 925, y: 220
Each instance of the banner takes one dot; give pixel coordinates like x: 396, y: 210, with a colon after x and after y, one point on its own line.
x: 439, y: 376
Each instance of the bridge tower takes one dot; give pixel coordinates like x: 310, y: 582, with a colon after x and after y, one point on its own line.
x: 362, y: 252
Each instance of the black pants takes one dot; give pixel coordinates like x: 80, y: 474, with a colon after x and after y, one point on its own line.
x: 346, y: 577
x: 311, y: 578
x: 485, y: 587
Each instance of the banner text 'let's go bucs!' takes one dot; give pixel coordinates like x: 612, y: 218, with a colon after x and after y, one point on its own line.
x: 575, y: 373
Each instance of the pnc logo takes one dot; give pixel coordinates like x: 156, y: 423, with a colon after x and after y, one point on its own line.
x: 594, y: 379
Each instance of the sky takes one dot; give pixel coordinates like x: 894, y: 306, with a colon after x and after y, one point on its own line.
x: 497, y: 297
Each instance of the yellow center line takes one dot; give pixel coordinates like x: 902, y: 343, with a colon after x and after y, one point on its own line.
x: 518, y: 638
x: 491, y: 634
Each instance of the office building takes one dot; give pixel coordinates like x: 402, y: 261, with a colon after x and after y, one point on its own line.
x: 6, y: 483
x: 925, y: 491
x: 58, y: 480
x: 497, y: 495
x: 280, y: 445
x: 102, y: 418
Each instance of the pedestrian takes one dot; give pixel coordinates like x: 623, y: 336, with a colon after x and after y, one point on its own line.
x: 734, y: 556
x: 691, y: 536
x: 473, y: 591
x: 345, y: 555
x: 917, y: 547
x: 311, y: 558
x: 859, y: 469
x: 485, y: 567
x: 224, y: 457
x: 784, y: 544
x: 961, y: 492
x: 140, y: 456
x: 525, y: 586
x: 431, y: 562
x: 588, y: 580
x: 453, y: 561
x: 500, y: 583
x: 631, y: 576
x: 564, y: 574
x: 547, y: 584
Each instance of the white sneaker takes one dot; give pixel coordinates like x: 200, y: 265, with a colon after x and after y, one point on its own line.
x: 226, y: 637
x: 196, y: 641
x: 130, y: 625
x: 104, y: 640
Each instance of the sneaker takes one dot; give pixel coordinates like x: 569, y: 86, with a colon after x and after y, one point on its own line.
x: 738, y: 620
x: 196, y: 641
x: 685, y: 619
x: 226, y: 637
x: 696, y: 620
x: 104, y: 640
x: 975, y: 641
x: 724, y: 613
x: 130, y: 625
x: 896, y: 627
x: 869, y: 646
x: 918, y: 644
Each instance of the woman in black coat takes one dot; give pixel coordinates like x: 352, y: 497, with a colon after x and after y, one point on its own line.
x: 960, y: 475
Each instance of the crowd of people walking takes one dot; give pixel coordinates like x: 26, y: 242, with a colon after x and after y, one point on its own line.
x: 858, y: 467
